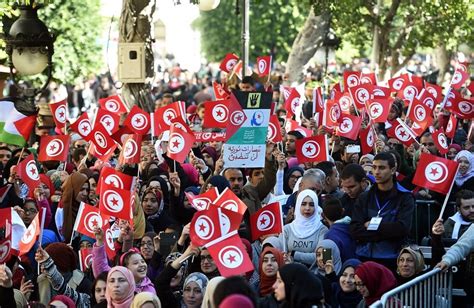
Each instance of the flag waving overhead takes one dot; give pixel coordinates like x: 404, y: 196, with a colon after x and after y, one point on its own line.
x: 180, y: 143
x: 459, y: 77
x: 293, y: 102
x: 312, y: 149
x: 15, y: 127
x: 138, y: 121
x: 264, y: 65
x: 204, y: 200
x: 163, y: 117
x: 131, y: 150
x: 87, y: 219
x: 441, y: 141
x: 228, y: 63
x: 435, y: 173
x: 28, y: 172
x: 59, y: 112
x: 108, y: 119
x: 115, y: 202
x: 31, y: 235
x: 268, y: 220
x: 230, y: 201
x: 54, y: 148
x: 82, y: 125
x: 113, y: 104
x: 216, y: 114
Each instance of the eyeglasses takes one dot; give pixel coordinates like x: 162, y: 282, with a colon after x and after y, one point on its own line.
x: 204, y: 258
x: 295, y: 177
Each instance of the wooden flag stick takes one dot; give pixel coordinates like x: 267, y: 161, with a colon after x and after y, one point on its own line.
x: 21, y: 154
x: 447, y: 196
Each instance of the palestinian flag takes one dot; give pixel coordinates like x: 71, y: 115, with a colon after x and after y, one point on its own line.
x: 15, y: 127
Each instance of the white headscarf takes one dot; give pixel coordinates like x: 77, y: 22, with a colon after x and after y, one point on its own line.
x: 460, y: 179
x: 303, y: 227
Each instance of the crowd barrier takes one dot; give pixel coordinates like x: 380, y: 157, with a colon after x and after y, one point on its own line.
x: 433, y: 289
x: 426, y: 213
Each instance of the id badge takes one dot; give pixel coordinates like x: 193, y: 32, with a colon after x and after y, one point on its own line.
x: 374, y: 223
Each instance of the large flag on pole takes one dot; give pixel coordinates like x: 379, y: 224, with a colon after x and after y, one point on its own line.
x: 15, y: 127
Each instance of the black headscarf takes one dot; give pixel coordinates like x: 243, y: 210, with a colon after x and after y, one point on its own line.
x: 286, y: 187
x: 302, y: 287
x: 220, y: 182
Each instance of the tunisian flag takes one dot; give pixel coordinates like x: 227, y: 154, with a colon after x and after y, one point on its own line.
x: 264, y: 65
x: 441, y: 141
x: 180, y: 143
x: 113, y: 104
x: 367, y: 139
x: 268, y: 220
x: 85, y: 259
x: 435, y: 173
x: 88, y: 217
x: 274, y: 129
x: 82, y: 126
x: 230, y: 256
x: 452, y: 126
x: 459, y: 77
x: 59, y: 112
x: 230, y: 201
x: 28, y: 172
x: 163, y: 117
x: 131, y: 150
x: 311, y: 149
x: 54, y: 148
x: 349, y: 126
x: 28, y: 239
x: 293, y: 102
x: 138, y: 121
x: 379, y: 109
x: 203, y: 201
x: 211, y: 224
x: 110, y: 120
x: 109, y: 175
x: 115, y: 202
x: 216, y: 114
x: 228, y: 63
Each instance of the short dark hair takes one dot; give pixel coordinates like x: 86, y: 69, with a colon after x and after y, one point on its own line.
x: 5, y: 148
x: 168, y: 95
x: 248, y: 79
x: 295, y: 133
x: 233, y: 285
x: 327, y: 167
x: 76, y: 154
x: 332, y: 208
x: 386, y: 156
x: 464, y: 194
x: 355, y: 171
x: 397, y: 157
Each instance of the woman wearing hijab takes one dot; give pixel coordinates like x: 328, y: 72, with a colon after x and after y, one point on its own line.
x: 465, y: 176
x: 207, y: 301
x: 157, y: 218
x: 120, y: 288
x: 296, y: 286
x: 74, y: 191
x: 271, y: 260
x: 410, y: 264
x: 373, y: 280
x: 146, y: 299
x: 344, y: 291
x: 453, y: 150
x: 193, y: 290
x: 291, y: 176
x: 302, y: 235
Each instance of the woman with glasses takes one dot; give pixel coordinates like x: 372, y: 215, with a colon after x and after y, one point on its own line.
x: 372, y: 280
x: 290, y: 178
x: 150, y: 251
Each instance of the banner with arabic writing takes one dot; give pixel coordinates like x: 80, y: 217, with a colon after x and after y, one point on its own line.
x: 246, y: 148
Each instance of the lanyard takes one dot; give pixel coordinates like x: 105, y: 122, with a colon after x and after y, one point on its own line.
x: 378, y: 205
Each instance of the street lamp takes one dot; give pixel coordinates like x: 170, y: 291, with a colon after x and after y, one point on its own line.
x: 331, y: 43
x: 29, y: 46
x: 207, y: 5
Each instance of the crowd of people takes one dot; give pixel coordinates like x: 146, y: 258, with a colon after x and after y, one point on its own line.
x: 350, y: 231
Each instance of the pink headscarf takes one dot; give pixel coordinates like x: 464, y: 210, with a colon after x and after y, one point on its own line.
x: 192, y: 173
x: 127, y: 301
x: 292, y: 162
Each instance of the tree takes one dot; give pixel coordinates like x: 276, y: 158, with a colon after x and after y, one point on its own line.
x: 395, y: 29
x: 77, y: 25
x: 274, y: 24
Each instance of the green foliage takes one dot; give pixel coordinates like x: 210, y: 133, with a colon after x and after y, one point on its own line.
x: 413, y: 25
x: 274, y: 25
x: 77, y: 26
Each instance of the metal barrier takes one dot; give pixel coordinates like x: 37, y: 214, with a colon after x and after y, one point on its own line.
x: 425, y: 214
x: 433, y: 289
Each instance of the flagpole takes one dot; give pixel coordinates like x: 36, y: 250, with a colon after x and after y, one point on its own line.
x: 43, y: 216
x: 447, y: 195
x: 21, y: 155
x: 282, y: 229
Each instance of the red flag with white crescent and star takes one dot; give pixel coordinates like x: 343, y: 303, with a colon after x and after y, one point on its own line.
x: 293, y: 102
x: 441, y: 141
x: 85, y: 259
x: 216, y: 114
x: 378, y: 109
x: 419, y: 112
x: 398, y: 131
x: 361, y: 94
x: 138, y: 121
x: 179, y: 144
x: 435, y: 173
x: 115, y: 202
x: 351, y: 79
x: 228, y: 200
x: 230, y: 256
x: 82, y: 126
x: 87, y: 219
x: 367, y: 139
x: 164, y: 116
x: 203, y: 201
x: 312, y: 149
x: 59, y: 112
x: 54, y: 148
x: 113, y: 104
x: 451, y: 126
x: 29, y: 238
x: 264, y: 65
x: 28, y: 172
x: 459, y: 77
x: 109, y: 241
x: 100, y: 137
x: 435, y: 91
x: 228, y: 63
x: 213, y: 223
x: 131, y: 150
x: 332, y: 114
x: 110, y: 120
x: 114, y: 177
x: 219, y: 91
x: 294, y: 125
x: 274, y: 129
x: 237, y: 117
x: 268, y: 220
x: 349, y: 126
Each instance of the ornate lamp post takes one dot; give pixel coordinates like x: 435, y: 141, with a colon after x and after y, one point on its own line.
x: 29, y: 46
